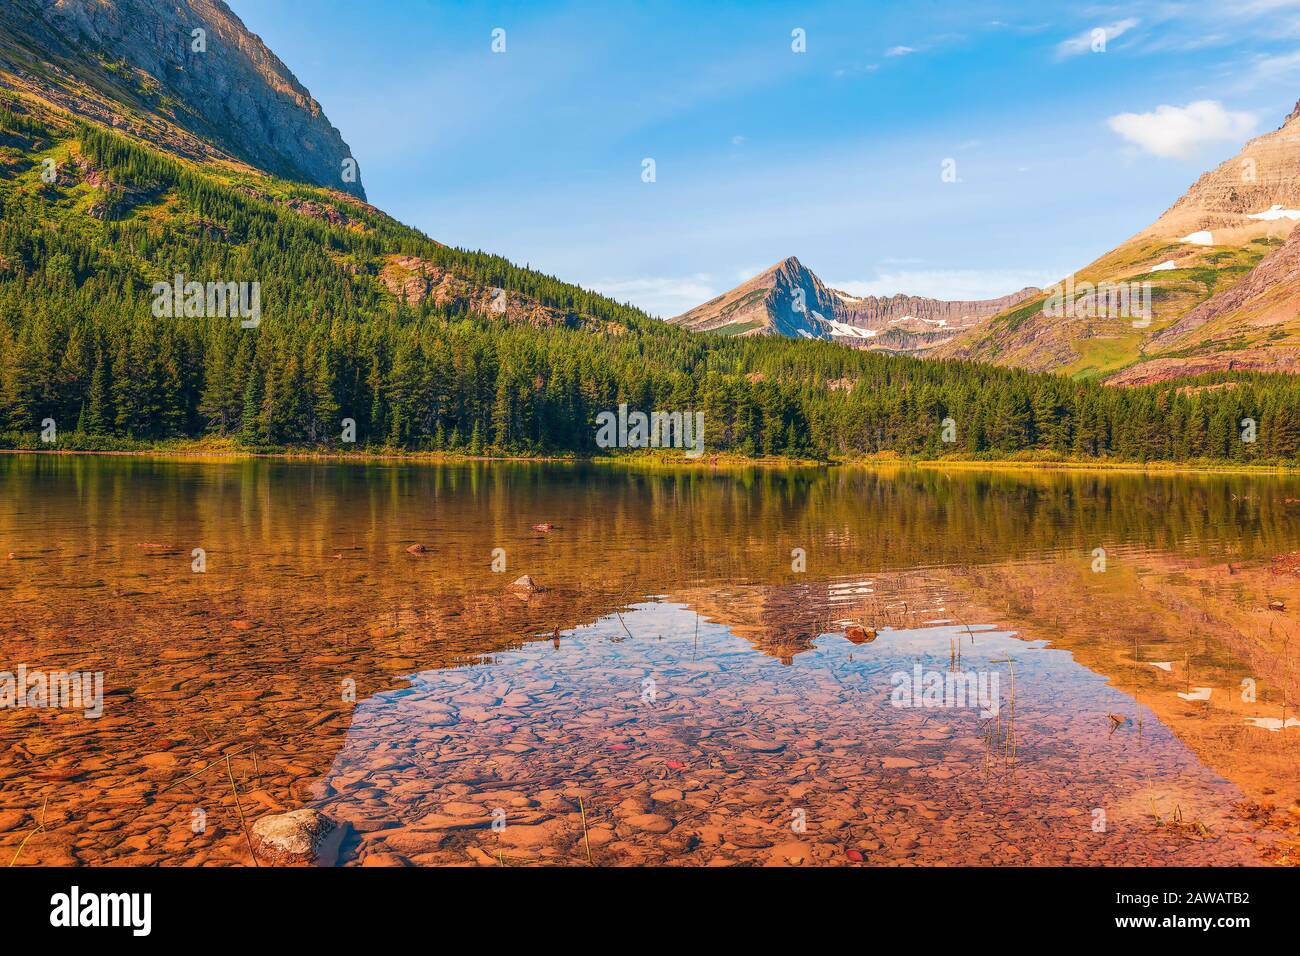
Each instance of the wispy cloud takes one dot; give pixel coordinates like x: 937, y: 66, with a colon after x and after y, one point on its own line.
x: 1083, y: 42
x: 1252, y: 8
x: 1269, y: 72
x: 665, y: 296
x: 899, y: 50
x: 1177, y: 132
x: 950, y: 284
x: 855, y: 69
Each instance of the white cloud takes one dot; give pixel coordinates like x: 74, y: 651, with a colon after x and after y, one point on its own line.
x: 1082, y: 42
x: 1176, y: 132
x: 1270, y: 71
x: 856, y: 69
x: 1249, y: 8
x: 664, y: 296
x: 899, y: 51
x: 952, y: 284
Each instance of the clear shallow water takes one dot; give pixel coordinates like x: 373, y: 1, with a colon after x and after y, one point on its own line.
x: 685, y: 746
x: 677, y: 694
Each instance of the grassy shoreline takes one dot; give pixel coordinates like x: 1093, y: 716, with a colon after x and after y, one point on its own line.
x: 225, y: 450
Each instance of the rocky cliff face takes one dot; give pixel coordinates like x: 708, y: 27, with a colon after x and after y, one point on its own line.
x: 875, y: 309
x: 788, y: 299
x: 1229, y: 200
x: 138, y: 65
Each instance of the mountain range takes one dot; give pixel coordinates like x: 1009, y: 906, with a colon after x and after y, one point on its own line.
x: 788, y: 299
x: 148, y: 143
x: 1220, y: 267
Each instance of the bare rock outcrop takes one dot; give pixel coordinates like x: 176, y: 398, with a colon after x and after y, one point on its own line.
x: 414, y: 281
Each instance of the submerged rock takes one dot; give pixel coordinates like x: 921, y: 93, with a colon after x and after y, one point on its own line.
x: 525, y: 583
x: 300, y: 836
x: 417, y: 549
x: 859, y: 635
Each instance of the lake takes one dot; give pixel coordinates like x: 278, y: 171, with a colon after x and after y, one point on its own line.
x: 712, y: 667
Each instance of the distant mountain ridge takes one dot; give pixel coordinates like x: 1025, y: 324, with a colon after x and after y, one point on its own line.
x: 789, y: 299
x: 132, y: 64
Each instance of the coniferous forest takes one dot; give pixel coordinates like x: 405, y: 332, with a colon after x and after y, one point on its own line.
x: 81, y: 346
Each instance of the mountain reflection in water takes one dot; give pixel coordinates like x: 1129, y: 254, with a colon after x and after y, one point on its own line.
x: 677, y: 684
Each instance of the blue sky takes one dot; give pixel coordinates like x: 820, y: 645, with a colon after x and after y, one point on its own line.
x: 835, y: 155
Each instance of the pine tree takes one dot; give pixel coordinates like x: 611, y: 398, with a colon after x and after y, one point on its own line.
x: 251, y: 428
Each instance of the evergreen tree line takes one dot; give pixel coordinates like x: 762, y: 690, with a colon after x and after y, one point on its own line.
x: 79, y: 344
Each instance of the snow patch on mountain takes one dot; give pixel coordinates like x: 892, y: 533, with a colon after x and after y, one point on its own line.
x: 1275, y: 212
x: 852, y: 331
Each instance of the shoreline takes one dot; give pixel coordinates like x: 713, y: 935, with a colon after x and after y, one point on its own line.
x: 199, y: 452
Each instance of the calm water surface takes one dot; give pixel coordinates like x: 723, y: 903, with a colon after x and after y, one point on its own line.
x: 716, y: 667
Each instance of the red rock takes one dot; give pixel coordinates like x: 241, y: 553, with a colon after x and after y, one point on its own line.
x: 854, y: 855
x: 417, y: 549
x: 899, y: 763
x: 650, y: 822
x: 533, y: 837
x: 761, y: 746
x: 159, y: 761
x: 793, y: 853
x: 544, y: 527
x: 859, y: 635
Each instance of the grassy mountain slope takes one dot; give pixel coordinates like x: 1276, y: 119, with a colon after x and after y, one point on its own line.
x: 1208, y: 241
x: 1251, y: 325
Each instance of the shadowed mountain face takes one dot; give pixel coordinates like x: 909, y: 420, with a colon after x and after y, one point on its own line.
x: 1222, y: 286
x: 139, y: 65
x: 789, y: 299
